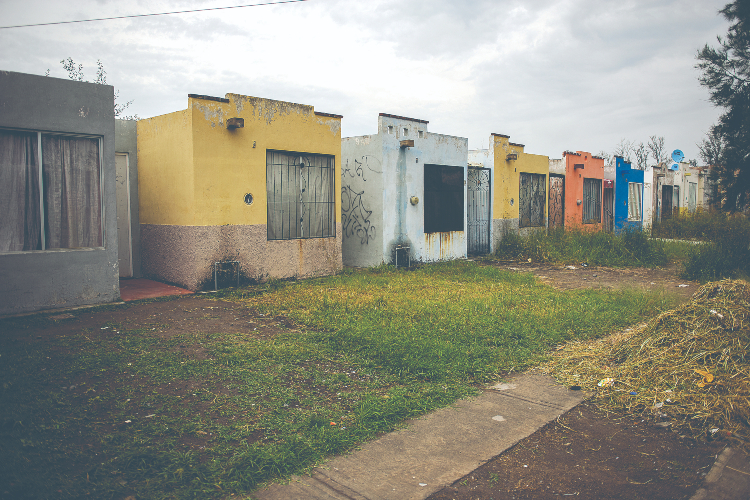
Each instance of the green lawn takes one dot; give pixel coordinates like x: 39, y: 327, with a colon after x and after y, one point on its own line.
x: 371, y: 349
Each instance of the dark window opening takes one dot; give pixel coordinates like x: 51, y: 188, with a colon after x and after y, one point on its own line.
x: 532, y: 198
x: 443, y: 198
x: 592, y: 201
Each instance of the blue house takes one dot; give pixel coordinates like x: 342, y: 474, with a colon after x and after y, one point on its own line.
x: 628, y: 196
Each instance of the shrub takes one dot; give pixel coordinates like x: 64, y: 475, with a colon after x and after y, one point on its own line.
x: 629, y: 248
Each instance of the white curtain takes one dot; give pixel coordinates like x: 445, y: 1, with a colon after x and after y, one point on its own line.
x: 635, y: 200
x: 72, y: 198
x: 20, y: 212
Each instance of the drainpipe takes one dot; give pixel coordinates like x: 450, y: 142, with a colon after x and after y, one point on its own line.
x: 402, y: 247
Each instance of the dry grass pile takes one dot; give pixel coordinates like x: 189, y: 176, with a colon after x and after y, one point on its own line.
x: 687, y: 368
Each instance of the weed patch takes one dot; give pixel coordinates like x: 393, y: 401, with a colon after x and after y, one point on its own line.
x: 569, y: 246
x: 159, y: 401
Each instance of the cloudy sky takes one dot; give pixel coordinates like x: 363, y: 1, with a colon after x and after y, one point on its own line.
x: 552, y: 74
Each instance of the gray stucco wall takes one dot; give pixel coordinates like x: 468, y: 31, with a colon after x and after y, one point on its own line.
x: 126, y: 142
x: 36, y: 280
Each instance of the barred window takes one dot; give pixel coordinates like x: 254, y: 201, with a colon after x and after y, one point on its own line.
x: 300, y: 193
x: 635, y: 201
x: 443, y: 198
x: 50, y: 191
x: 592, y: 201
x: 532, y: 198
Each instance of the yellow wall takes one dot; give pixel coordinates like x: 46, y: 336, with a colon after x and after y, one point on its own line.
x: 226, y: 164
x: 165, y: 178
x: 508, y: 176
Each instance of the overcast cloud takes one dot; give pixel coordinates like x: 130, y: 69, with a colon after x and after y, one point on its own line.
x: 554, y: 75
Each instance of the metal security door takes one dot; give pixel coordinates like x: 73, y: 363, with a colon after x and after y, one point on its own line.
x: 556, y: 201
x: 478, y: 210
x: 666, y: 202
x: 608, y: 200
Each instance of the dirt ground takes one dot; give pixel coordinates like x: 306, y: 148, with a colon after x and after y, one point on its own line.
x: 579, y: 276
x: 589, y: 454
x: 586, y: 453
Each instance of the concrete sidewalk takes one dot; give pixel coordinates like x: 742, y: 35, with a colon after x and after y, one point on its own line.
x: 433, y: 452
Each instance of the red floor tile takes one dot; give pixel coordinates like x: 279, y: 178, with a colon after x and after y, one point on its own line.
x: 140, y: 288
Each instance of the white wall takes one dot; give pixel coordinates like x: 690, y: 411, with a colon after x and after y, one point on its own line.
x: 392, y: 176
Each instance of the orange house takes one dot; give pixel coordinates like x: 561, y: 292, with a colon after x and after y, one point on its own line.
x: 584, y: 173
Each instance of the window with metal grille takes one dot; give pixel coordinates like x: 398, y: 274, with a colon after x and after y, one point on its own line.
x: 443, y: 198
x: 592, y: 201
x: 300, y: 191
x: 635, y: 201
x: 50, y: 191
x: 532, y: 197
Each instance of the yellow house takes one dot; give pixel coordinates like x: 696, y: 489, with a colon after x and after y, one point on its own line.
x: 519, y: 186
x: 239, y: 179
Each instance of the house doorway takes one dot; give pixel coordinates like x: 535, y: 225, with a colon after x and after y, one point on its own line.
x: 478, y: 215
x: 556, y: 201
x: 608, y: 200
x: 666, y: 202
x: 124, y: 236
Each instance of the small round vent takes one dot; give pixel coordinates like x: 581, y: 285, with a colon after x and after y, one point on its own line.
x: 248, y: 199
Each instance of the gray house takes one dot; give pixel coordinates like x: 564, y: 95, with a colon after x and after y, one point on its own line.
x: 58, y: 230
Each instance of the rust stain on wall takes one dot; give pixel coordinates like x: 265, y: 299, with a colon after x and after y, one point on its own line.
x: 440, y: 245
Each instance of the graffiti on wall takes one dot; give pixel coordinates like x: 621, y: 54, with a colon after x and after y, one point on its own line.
x: 358, y: 169
x: 355, y: 217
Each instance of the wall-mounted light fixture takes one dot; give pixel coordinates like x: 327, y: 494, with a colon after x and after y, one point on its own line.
x: 233, y: 123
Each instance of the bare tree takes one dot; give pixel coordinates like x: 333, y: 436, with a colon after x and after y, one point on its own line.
x: 75, y: 72
x: 657, y: 149
x: 624, y: 149
x: 607, y: 157
x: 641, y: 156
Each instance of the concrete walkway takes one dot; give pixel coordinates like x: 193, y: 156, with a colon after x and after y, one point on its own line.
x: 433, y: 452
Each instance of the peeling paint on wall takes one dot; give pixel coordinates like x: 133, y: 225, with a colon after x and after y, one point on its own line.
x: 211, y: 113
x: 268, y: 109
x: 333, y: 124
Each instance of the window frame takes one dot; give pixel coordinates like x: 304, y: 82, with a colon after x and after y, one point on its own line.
x: 331, y: 202
x: 40, y: 172
x: 640, y: 202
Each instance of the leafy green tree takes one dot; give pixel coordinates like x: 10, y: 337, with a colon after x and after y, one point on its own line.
x: 725, y: 72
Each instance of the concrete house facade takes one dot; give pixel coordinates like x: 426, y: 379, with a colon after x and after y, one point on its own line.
x: 58, y: 232
x: 628, y: 203
x: 239, y: 179
x: 519, y: 187
x: 403, y: 194
x: 584, y: 174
